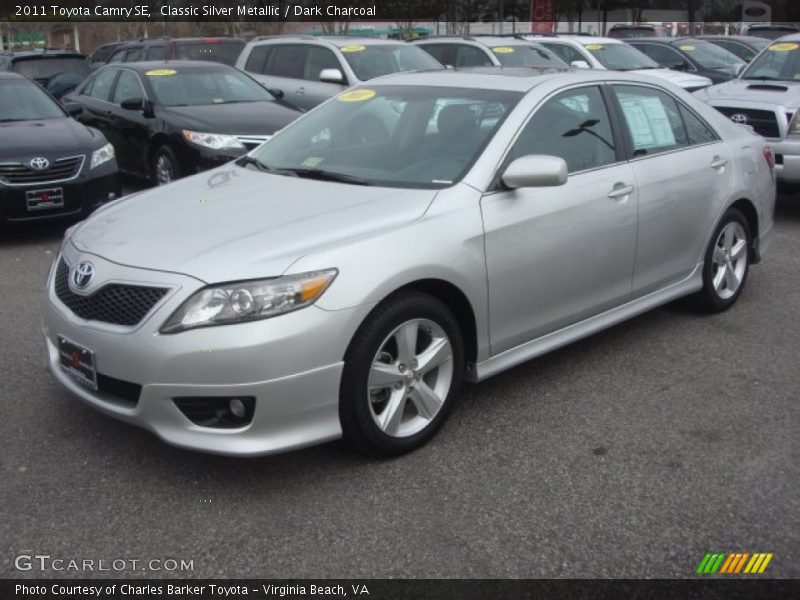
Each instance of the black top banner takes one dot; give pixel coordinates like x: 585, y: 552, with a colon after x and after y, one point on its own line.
x: 377, y: 10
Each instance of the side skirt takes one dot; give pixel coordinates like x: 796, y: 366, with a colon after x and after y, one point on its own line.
x: 562, y: 337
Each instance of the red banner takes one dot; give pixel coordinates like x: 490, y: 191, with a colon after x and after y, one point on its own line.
x: 542, y: 16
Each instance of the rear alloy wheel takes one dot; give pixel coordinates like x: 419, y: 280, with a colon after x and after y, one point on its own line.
x: 727, y: 262
x: 165, y: 167
x: 401, y: 373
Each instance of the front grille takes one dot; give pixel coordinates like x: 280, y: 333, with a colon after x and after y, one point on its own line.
x: 62, y: 169
x: 764, y: 122
x: 118, y: 304
x: 122, y: 392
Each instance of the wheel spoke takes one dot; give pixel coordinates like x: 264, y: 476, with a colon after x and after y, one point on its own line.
x: 719, y: 256
x: 731, y: 280
x: 729, y: 235
x: 392, y: 415
x: 719, y: 278
x: 434, y: 355
x: 425, y: 399
x: 738, y: 249
x: 407, y: 342
x: 383, y: 375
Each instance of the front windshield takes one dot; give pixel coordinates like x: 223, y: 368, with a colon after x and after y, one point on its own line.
x: 621, y: 57
x: 224, y: 52
x: 780, y: 61
x: 21, y: 100
x: 709, y: 56
x: 396, y: 136
x: 373, y: 60
x: 41, y: 69
x: 200, y: 86
x: 526, y: 56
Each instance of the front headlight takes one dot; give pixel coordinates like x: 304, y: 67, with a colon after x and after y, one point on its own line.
x: 242, y: 301
x: 102, y: 155
x: 794, y: 126
x: 215, y: 141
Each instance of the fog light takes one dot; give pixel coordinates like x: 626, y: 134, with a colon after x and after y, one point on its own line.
x: 236, y: 406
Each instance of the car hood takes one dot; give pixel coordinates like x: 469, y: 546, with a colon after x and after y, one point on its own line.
x: 235, y: 223
x: 236, y: 118
x: 62, y: 137
x: 684, y: 80
x: 780, y: 93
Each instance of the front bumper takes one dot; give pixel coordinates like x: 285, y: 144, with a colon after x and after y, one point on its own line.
x: 787, y: 160
x: 290, y: 364
x: 81, y: 196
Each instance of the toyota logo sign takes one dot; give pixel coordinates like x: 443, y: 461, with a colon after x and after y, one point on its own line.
x: 739, y: 119
x: 82, y: 275
x: 39, y: 163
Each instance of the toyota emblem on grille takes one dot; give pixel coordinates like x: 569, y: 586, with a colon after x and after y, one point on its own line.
x: 82, y: 275
x: 739, y: 118
x: 40, y: 163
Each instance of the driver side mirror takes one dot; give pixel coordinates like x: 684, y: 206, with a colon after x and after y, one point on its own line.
x: 681, y: 66
x: 739, y: 68
x: 331, y: 76
x: 132, y: 104
x: 74, y: 109
x: 535, y: 170
x: 580, y: 64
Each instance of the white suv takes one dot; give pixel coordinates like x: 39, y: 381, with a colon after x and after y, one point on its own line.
x: 307, y: 70
x: 589, y: 52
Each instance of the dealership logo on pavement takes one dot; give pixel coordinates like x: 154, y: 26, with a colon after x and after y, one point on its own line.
x: 40, y: 163
x: 82, y: 275
x: 732, y: 563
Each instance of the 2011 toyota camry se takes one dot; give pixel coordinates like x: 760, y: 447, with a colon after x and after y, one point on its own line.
x: 324, y: 286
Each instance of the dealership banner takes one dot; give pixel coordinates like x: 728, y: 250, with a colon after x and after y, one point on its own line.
x: 386, y: 589
x: 542, y: 14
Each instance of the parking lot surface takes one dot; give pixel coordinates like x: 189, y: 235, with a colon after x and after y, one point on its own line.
x: 629, y: 454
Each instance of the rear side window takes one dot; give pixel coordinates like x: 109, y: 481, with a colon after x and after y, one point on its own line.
x: 697, y: 130
x: 288, y: 61
x: 101, y: 86
x: 470, y: 56
x: 134, y: 54
x: 257, y: 61
x: 156, y: 53
x: 653, y: 120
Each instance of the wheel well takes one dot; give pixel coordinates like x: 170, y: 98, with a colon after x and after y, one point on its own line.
x: 749, y: 212
x: 455, y: 300
x: 158, y: 140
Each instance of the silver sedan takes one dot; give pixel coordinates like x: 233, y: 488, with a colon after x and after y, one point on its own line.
x: 327, y: 285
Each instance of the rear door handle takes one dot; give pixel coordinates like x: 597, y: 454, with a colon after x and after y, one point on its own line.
x: 718, y: 162
x: 621, y: 191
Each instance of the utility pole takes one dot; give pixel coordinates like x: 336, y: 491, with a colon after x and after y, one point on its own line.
x: 690, y: 10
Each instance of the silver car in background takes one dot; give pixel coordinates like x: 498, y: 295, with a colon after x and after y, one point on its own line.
x: 323, y: 287
x: 766, y: 96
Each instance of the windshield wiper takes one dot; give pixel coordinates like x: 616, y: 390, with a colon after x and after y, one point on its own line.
x: 329, y: 176
x: 247, y: 160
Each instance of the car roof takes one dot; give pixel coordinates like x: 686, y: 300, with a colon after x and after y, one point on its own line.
x: 338, y: 41
x: 520, y: 79
x: 483, y: 40
x: 148, y: 65
x: 585, y: 40
x: 12, y: 75
x: 45, y: 53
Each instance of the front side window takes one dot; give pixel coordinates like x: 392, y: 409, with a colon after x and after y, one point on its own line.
x: 134, y: 54
x: 664, y: 55
x: 156, y: 53
x: 469, y: 56
x: 396, y: 136
x: 318, y: 59
x: 573, y: 125
x: 118, y: 56
x: 652, y: 118
x: 781, y: 61
x: 101, y: 87
x: 128, y: 88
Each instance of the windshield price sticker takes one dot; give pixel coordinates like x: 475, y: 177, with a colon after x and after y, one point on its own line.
x: 594, y: 46
x: 161, y: 72
x: 503, y: 50
x: 356, y: 96
x: 353, y: 48
x: 687, y: 48
x: 784, y: 47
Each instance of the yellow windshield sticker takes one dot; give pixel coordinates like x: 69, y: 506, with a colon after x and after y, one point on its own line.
x: 687, y: 48
x: 353, y: 48
x: 784, y: 47
x: 594, y: 46
x: 312, y: 161
x: 161, y: 72
x: 356, y: 96
x: 503, y: 50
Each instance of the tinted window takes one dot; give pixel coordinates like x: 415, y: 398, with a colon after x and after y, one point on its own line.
x: 621, y: 57
x: 697, y: 131
x: 257, y: 61
x: 226, y: 51
x: 520, y: 55
x: 202, y: 86
x: 317, y: 59
x: 118, y: 56
x: 566, y: 52
x: 653, y: 119
x: 573, y: 125
x: 134, y: 54
x: 41, y: 69
x: 128, y: 87
x: 21, y: 100
x: 375, y: 60
x: 102, y: 53
x: 156, y: 53
x: 663, y: 55
x: 288, y: 61
x: 444, y: 53
x: 102, y: 84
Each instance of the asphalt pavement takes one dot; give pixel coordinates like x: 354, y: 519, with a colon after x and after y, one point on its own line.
x: 629, y: 454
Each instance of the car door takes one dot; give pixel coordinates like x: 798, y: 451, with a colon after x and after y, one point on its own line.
x: 313, y: 91
x: 95, y: 99
x: 131, y: 128
x: 558, y: 255
x: 285, y: 71
x: 682, y: 171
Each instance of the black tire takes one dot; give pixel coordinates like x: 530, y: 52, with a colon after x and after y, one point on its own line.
x: 709, y: 299
x: 359, y: 427
x: 167, y: 154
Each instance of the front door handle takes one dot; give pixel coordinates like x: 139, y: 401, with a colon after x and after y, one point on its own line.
x: 718, y: 162
x: 301, y: 90
x: 621, y: 191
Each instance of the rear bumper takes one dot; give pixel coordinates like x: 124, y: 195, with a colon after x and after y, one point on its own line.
x: 81, y: 197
